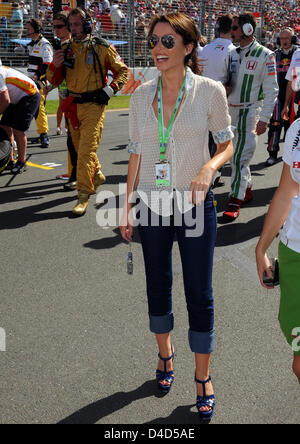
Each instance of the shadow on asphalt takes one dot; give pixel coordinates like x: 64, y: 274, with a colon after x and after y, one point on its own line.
x: 118, y: 148
x: 234, y: 232
x: 181, y: 415
x: 93, y: 413
x: 117, y: 179
x: 21, y: 217
x: 226, y: 170
x: 111, y: 242
x: 228, y: 233
x: 261, y: 198
x: 121, y: 162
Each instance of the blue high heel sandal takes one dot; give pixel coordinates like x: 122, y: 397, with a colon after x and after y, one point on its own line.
x: 164, y: 375
x: 205, y: 401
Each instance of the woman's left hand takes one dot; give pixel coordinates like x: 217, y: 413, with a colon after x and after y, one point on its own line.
x: 200, y: 186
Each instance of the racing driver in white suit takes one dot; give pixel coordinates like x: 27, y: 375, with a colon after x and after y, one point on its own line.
x: 253, y: 89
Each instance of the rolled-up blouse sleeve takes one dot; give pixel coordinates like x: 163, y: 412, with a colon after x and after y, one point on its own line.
x: 219, y: 120
x: 134, y: 146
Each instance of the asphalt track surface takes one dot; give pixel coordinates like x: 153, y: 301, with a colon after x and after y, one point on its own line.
x: 78, y: 349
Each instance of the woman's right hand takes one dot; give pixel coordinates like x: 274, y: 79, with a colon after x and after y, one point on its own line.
x: 264, y: 265
x: 127, y: 232
x: 126, y: 227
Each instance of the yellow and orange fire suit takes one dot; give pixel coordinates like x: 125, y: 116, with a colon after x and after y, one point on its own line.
x: 92, y: 59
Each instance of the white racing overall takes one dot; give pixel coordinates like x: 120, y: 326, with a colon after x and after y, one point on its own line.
x: 253, y: 97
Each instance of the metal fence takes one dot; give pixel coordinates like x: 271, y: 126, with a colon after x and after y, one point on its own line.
x: 204, y: 12
x: 12, y: 30
x: 129, y: 30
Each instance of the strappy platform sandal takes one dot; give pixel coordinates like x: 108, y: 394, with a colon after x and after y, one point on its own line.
x: 165, y: 376
x: 205, y: 401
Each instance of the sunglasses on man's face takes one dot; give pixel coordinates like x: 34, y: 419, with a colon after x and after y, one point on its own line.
x: 234, y: 28
x: 59, y: 26
x: 167, y: 40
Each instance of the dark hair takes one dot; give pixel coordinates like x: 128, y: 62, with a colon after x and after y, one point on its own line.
x: 202, y: 41
x: 247, y: 17
x: 36, y: 25
x: 185, y: 26
x: 62, y: 16
x: 79, y: 11
x: 224, y: 23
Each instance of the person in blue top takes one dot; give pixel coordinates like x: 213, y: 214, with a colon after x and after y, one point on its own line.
x: 16, y: 22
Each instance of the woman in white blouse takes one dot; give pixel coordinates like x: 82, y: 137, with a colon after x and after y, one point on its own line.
x: 285, y: 210
x: 171, y: 169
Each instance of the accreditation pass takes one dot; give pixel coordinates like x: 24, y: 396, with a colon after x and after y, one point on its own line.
x: 163, y: 174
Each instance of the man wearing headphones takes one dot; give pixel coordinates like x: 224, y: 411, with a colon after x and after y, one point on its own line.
x: 84, y: 62
x: 40, y: 57
x: 287, y: 42
x: 252, y: 95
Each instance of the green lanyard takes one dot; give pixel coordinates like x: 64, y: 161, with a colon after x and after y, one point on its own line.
x: 164, y: 136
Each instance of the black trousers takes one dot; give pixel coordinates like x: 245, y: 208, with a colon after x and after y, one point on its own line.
x: 73, y: 156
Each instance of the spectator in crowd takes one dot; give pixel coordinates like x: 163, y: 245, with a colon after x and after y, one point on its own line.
x: 98, y: 24
x: 107, y: 25
x: 105, y: 5
x: 4, y: 31
x: 116, y: 16
x: 89, y: 60
x: 19, y: 102
x: 287, y: 41
x: 40, y: 56
x: 25, y: 9
x: 16, y: 22
x: 253, y: 69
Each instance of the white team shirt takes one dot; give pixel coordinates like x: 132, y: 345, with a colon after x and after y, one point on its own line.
x: 294, y: 70
x: 40, y: 53
x: 17, y: 84
x: 291, y: 230
x: 215, y: 59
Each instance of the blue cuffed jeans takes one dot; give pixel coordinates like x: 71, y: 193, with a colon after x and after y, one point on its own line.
x: 197, y: 263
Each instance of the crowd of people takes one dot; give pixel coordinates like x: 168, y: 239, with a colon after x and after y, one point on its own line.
x: 111, y: 16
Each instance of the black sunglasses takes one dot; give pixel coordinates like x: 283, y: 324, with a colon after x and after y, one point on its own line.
x: 167, y: 40
x: 234, y: 28
x: 59, y: 26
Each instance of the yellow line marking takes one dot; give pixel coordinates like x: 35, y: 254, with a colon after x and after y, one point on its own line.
x: 35, y: 165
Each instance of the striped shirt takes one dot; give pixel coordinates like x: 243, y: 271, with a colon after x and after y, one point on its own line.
x: 17, y: 84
